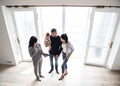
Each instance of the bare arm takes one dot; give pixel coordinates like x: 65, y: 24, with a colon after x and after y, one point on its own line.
x: 69, y: 55
x: 42, y: 53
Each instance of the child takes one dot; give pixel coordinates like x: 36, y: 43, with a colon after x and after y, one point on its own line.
x: 36, y: 53
x: 67, y: 50
x: 47, y: 41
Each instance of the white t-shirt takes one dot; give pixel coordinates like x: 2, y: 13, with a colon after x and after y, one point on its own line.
x: 64, y: 46
x: 67, y: 48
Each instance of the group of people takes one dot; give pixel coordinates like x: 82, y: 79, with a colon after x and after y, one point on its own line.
x: 56, y: 45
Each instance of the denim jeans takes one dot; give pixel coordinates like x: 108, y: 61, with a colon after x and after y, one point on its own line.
x: 51, y: 62
x: 64, y: 64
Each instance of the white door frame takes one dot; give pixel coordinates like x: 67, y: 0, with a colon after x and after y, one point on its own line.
x: 90, y: 31
x: 36, y: 24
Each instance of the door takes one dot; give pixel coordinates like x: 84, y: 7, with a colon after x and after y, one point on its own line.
x: 101, y: 34
x: 26, y: 25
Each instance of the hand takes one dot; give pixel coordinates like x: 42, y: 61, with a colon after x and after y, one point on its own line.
x: 56, y: 56
x: 45, y: 55
x: 68, y: 57
x: 35, y: 44
x: 35, y: 47
x: 49, y: 49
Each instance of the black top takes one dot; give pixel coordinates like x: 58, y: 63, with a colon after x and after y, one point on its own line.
x: 55, y: 45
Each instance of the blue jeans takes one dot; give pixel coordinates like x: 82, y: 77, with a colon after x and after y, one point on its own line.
x: 51, y: 62
x: 64, y: 64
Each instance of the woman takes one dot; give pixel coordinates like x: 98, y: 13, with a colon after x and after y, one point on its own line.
x: 36, y: 53
x: 67, y: 50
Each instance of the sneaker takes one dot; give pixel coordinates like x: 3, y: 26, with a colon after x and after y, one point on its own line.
x: 50, y: 71
x: 65, y: 73
x: 42, y: 76
x: 57, y: 72
x: 62, y: 76
x: 38, y: 79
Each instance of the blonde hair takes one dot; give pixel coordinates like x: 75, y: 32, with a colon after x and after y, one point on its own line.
x: 47, y: 41
x: 47, y: 34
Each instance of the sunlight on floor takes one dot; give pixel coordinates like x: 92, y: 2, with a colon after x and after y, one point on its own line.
x: 78, y: 75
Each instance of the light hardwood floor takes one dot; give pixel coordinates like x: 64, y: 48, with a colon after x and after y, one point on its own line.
x: 78, y: 75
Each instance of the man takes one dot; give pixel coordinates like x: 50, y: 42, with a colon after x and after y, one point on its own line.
x: 54, y: 50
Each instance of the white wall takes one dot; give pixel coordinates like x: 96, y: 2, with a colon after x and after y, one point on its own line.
x: 6, y: 54
x: 61, y: 2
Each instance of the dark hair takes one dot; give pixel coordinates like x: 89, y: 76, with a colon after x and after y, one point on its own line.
x: 32, y: 40
x: 64, y: 37
x: 53, y: 30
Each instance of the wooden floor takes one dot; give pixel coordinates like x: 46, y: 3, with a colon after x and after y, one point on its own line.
x: 78, y: 75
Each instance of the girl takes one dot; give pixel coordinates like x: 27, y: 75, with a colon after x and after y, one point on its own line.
x: 67, y: 50
x: 36, y: 53
x: 47, y: 41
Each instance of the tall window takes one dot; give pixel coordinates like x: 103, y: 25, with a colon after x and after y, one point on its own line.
x: 48, y: 18
x: 71, y: 20
x: 76, y: 22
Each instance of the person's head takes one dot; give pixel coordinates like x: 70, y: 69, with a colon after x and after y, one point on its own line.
x: 32, y: 41
x: 53, y: 32
x: 64, y: 38
x: 47, y: 34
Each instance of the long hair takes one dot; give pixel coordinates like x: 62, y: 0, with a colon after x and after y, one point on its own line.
x: 65, y: 37
x: 32, y: 40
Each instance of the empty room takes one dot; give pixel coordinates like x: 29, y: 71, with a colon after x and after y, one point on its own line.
x: 59, y: 43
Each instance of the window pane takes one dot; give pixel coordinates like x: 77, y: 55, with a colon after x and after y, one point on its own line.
x: 48, y: 18
x: 25, y: 24
x: 26, y: 28
x: 97, y: 55
x: 102, y: 27
x: 76, y: 22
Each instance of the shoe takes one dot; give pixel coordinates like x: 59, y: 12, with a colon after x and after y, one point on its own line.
x: 42, y: 76
x: 57, y: 72
x: 62, y: 76
x: 65, y: 73
x: 38, y: 79
x: 50, y: 71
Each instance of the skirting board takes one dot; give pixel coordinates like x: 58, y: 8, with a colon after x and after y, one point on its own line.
x: 116, y: 68
x: 7, y: 63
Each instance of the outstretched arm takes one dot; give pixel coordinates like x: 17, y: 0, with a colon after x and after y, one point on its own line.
x: 45, y: 54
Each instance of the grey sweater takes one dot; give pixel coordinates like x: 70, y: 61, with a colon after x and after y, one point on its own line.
x: 33, y: 54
